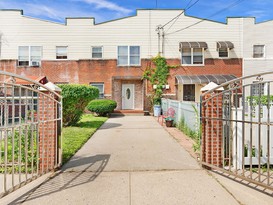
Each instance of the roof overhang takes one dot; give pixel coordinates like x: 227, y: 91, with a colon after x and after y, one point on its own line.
x: 224, y: 44
x: 193, y: 44
x: 202, y: 79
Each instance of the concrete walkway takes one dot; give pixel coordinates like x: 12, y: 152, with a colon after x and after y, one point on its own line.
x: 131, y: 160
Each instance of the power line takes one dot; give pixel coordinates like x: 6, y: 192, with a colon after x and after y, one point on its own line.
x: 187, y: 7
x: 220, y: 11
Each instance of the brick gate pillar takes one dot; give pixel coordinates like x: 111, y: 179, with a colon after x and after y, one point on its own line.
x: 49, y: 129
x: 212, y: 126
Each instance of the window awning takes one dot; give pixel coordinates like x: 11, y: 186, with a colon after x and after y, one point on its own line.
x: 201, y: 79
x: 195, y: 44
x: 224, y: 44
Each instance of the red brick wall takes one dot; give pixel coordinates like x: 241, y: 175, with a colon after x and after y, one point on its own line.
x: 48, y: 133
x: 212, y: 130
x: 86, y: 71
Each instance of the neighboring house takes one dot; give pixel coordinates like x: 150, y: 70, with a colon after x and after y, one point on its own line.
x: 258, y: 53
x: 113, y: 55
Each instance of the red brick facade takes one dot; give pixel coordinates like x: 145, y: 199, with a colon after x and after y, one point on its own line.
x: 212, y: 129
x: 86, y: 71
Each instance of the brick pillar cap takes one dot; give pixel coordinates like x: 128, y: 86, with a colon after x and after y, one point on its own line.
x: 51, y: 86
x: 211, y: 86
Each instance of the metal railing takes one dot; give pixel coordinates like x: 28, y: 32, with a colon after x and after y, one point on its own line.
x: 237, y: 128
x: 30, y: 127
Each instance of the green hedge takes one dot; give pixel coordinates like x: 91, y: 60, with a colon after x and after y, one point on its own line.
x: 75, y: 99
x: 102, y: 107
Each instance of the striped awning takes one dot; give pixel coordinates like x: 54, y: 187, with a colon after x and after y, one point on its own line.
x: 195, y: 44
x: 202, y: 79
x: 225, y: 44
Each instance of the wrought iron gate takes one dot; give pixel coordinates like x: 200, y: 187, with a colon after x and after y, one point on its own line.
x: 237, y: 128
x: 30, y: 131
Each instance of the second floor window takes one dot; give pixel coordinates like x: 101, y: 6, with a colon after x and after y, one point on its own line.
x: 192, y: 56
x: 223, y: 52
x: 96, y: 52
x: 29, y: 55
x: 129, y: 55
x: 258, y: 51
x: 61, y: 52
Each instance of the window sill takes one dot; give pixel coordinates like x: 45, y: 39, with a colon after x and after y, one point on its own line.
x: 193, y: 65
x: 129, y: 65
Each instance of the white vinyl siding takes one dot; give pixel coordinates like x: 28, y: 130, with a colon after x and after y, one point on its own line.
x: 80, y: 34
x: 96, y: 52
x: 258, y: 51
x: 192, y: 56
x: 128, y: 55
x: 29, y: 55
x: 61, y: 52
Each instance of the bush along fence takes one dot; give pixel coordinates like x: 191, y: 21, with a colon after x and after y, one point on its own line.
x: 187, y: 117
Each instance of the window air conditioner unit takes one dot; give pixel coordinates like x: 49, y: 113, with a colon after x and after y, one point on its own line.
x: 35, y: 63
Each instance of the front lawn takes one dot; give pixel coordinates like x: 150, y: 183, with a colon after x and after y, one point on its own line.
x: 74, y: 137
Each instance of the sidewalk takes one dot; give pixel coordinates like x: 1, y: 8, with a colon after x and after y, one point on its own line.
x: 132, y: 160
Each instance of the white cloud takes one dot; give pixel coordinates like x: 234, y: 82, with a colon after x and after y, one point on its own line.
x: 104, y: 4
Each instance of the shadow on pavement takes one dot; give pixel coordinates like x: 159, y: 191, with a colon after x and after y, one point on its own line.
x: 109, y: 125
x: 66, y: 180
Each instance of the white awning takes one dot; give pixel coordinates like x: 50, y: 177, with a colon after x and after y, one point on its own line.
x: 201, y: 79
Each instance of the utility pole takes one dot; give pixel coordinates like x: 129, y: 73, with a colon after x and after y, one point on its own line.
x: 161, y: 35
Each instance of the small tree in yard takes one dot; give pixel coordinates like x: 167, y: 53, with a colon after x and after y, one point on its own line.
x: 75, y: 99
x: 158, y: 76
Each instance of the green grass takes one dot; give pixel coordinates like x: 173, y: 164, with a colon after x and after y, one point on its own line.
x: 74, y: 137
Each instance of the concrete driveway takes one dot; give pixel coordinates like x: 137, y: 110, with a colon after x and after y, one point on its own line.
x: 130, y: 160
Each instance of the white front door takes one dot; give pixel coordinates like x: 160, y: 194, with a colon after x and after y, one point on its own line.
x: 128, y: 96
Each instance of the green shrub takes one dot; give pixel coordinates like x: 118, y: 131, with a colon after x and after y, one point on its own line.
x: 75, y: 99
x: 102, y: 107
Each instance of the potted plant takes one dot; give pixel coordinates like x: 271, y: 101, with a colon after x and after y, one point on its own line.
x: 169, y: 121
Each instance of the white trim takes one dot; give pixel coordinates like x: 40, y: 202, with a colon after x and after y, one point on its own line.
x: 29, y: 56
x: 263, y: 51
x: 128, y: 55
x: 203, y: 58
x: 61, y: 59
x: 102, y: 51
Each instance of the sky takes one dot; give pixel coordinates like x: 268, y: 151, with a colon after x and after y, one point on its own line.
x: 105, y: 10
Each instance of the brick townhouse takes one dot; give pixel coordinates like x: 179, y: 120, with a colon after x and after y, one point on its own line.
x: 113, y: 55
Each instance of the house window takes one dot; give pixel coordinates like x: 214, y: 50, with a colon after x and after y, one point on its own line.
x: 29, y: 55
x: 258, y: 51
x: 97, y: 52
x: 100, y: 86
x: 128, y: 55
x: 192, y: 56
x: 223, y: 52
x: 61, y: 52
x: 189, y: 92
x: 257, y: 89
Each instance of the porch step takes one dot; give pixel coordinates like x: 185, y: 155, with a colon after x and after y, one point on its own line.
x: 128, y: 112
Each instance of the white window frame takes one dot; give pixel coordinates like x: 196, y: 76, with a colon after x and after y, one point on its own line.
x: 191, y: 64
x: 96, y: 84
x: 257, y: 53
x: 254, y: 89
x: 30, y: 62
x: 101, y: 52
x: 57, y: 53
x: 128, y: 56
x: 223, y: 56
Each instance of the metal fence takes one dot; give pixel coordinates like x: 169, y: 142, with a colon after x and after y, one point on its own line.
x: 237, y: 129
x: 30, y: 127
x: 189, y: 112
